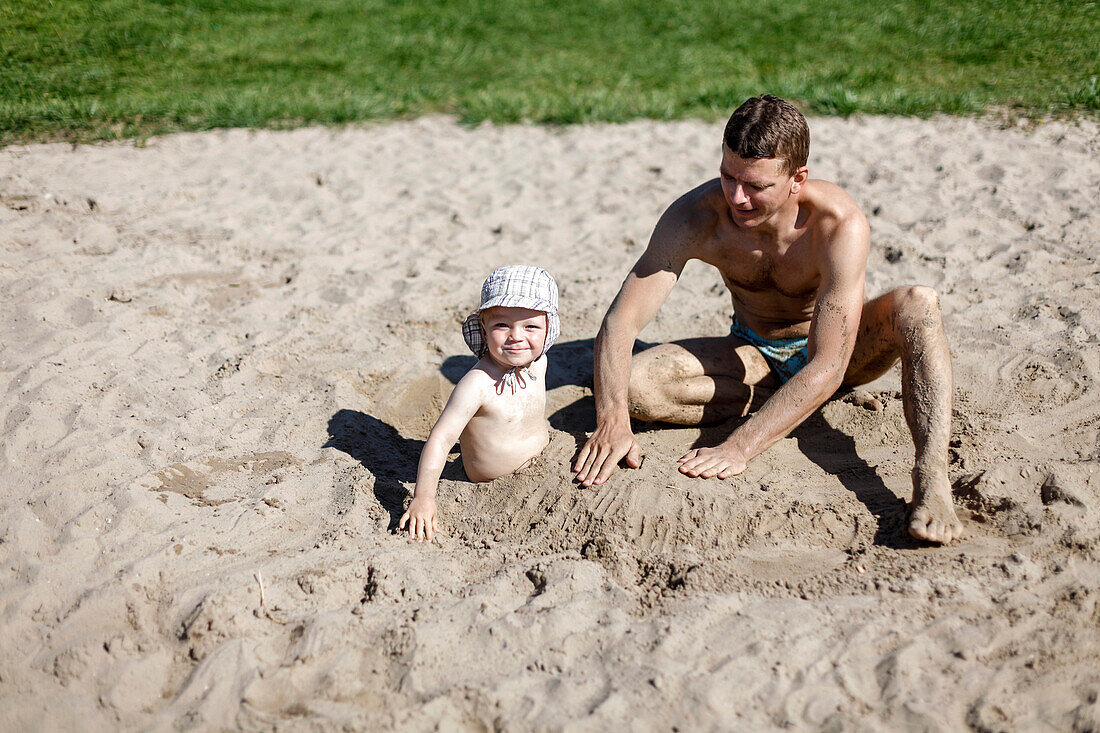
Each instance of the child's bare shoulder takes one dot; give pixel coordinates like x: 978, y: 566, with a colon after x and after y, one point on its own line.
x: 483, y: 381
x: 477, y: 378
x: 471, y: 393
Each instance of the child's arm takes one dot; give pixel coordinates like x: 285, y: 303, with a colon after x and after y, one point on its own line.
x: 463, y: 404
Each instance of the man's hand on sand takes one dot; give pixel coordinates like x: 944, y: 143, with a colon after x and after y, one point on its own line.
x: 608, y: 445
x: 722, y: 461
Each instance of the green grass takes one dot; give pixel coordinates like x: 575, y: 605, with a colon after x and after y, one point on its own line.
x: 79, y: 69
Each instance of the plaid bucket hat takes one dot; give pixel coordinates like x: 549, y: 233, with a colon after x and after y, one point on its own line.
x: 515, y: 286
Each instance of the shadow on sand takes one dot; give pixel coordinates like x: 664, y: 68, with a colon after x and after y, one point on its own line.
x: 382, y: 450
x: 834, y: 452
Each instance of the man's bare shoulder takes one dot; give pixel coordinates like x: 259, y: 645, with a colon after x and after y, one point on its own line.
x: 831, y: 204
x: 691, y: 219
x: 839, y: 227
x: 702, y: 202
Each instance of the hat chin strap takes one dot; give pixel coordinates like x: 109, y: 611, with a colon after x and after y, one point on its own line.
x: 514, y: 378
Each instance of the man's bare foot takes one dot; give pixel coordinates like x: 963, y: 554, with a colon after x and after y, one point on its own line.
x: 864, y: 399
x: 932, y: 516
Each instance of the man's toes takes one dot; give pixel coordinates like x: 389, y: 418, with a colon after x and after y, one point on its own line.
x: 923, y: 527
x: 933, y: 530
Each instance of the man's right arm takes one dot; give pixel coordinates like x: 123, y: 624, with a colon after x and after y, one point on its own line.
x: 643, y: 292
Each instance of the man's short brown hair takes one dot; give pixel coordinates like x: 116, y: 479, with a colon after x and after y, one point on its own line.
x: 769, y: 127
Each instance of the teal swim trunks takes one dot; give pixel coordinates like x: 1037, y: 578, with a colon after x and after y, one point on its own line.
x: 784, y: 356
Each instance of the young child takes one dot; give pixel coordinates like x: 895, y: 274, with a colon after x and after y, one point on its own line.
x: 497, y: 412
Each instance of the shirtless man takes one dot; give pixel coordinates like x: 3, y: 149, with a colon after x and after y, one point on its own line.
x: 793, y: 253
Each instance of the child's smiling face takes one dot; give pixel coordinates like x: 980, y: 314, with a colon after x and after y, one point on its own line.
x: 515, y: 336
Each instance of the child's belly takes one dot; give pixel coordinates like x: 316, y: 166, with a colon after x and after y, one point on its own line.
x: 486, y: 457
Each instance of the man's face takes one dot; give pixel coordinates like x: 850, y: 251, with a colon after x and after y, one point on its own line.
x: 755, y: 188
x: 515, y: 336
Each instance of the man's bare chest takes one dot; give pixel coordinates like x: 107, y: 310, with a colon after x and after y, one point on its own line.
x: 792, y: 274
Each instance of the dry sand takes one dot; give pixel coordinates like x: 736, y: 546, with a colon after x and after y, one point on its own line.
x: 221, y: 354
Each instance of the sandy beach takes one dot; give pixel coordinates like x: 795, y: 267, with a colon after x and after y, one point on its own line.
x: 220, y: 355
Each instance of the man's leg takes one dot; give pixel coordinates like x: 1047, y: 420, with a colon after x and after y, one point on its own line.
x: 906, y: 324
x: 700, y: 380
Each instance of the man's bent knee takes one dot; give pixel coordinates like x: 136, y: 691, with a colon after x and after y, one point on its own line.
x: 916, y: 303
x: 652, y: 373
x: 644, y: 400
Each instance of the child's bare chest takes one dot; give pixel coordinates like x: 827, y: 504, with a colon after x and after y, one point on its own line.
x: 523, y: 405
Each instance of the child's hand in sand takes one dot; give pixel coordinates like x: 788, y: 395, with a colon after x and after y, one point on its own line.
x: 420, y: 516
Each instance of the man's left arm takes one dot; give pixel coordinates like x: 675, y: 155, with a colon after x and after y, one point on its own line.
x: 832, y: 338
